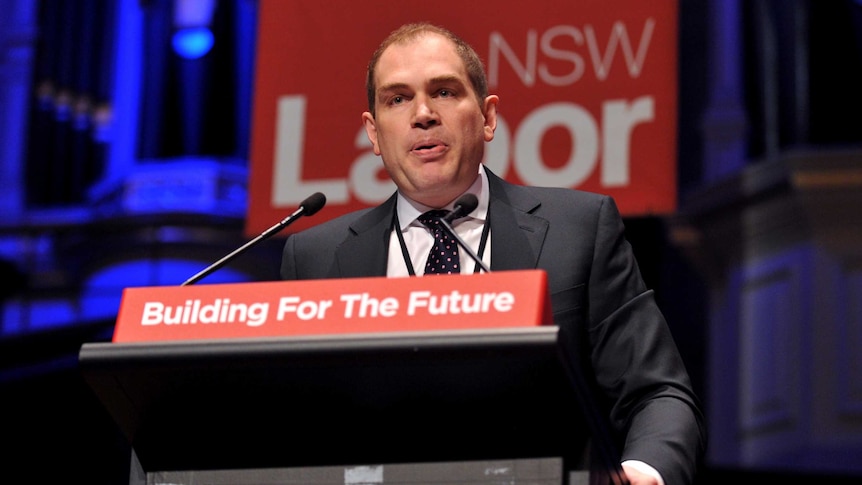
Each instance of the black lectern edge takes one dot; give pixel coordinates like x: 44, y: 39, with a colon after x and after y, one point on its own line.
x: 349, y: 339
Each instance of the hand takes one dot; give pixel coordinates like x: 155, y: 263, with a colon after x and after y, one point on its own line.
x: 637, y: 477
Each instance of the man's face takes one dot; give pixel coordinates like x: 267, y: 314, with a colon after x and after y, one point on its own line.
x: 429, y: 127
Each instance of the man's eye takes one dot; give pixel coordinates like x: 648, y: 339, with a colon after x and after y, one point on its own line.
x: 397, y: 100
x: 445, y: 93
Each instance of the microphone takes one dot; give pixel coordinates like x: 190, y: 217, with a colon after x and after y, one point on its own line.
x: 308, y: 207
x: 463, y: 206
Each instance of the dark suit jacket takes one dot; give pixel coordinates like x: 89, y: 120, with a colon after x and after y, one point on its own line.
x: 596, y: 291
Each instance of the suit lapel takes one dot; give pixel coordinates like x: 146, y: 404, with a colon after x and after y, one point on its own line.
x: 516, y: 234
x: 365, y: 250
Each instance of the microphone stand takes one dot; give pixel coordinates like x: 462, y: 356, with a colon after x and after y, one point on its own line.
x: 444, y: 221
x: 309, y: 206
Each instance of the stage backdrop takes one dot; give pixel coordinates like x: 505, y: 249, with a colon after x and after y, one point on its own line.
x: 587, y: 98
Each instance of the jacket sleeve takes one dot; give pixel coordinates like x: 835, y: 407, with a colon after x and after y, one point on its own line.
x: 637, y: 364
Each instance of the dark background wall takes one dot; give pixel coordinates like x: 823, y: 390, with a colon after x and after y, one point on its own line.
x: 123, y: 164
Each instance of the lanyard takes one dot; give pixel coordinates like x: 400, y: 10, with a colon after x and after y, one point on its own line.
x: 396, y: 227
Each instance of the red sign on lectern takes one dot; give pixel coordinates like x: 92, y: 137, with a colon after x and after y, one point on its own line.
x: 339, y: 306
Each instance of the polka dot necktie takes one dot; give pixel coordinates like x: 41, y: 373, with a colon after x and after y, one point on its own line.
x: 443, y: 258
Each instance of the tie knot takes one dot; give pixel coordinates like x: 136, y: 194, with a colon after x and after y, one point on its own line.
x: 431, y: 219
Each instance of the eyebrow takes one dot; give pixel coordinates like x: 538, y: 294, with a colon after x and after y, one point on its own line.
x: 391, y: 87
x: 446, y: 80
x: 436, y: 81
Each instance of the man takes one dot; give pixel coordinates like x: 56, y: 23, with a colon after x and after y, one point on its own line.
x: 429, y: 118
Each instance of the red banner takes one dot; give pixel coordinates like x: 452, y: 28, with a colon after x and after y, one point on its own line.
x: 587, y: 98
x: 342, y: 306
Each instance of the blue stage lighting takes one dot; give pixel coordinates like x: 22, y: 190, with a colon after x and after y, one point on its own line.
x: 193, y: 43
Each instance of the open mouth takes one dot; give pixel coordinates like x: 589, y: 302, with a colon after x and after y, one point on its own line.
x: 429, y: 147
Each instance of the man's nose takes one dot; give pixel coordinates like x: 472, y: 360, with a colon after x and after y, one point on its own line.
x: 425, y: 114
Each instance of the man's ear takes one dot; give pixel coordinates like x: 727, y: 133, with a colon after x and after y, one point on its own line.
x: 489, y: 109
x: 371, y: 131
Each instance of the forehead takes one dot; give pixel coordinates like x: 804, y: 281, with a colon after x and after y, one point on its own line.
x: 429, y: 54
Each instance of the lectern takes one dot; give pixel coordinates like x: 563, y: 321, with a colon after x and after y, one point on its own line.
x: 250, y: 405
